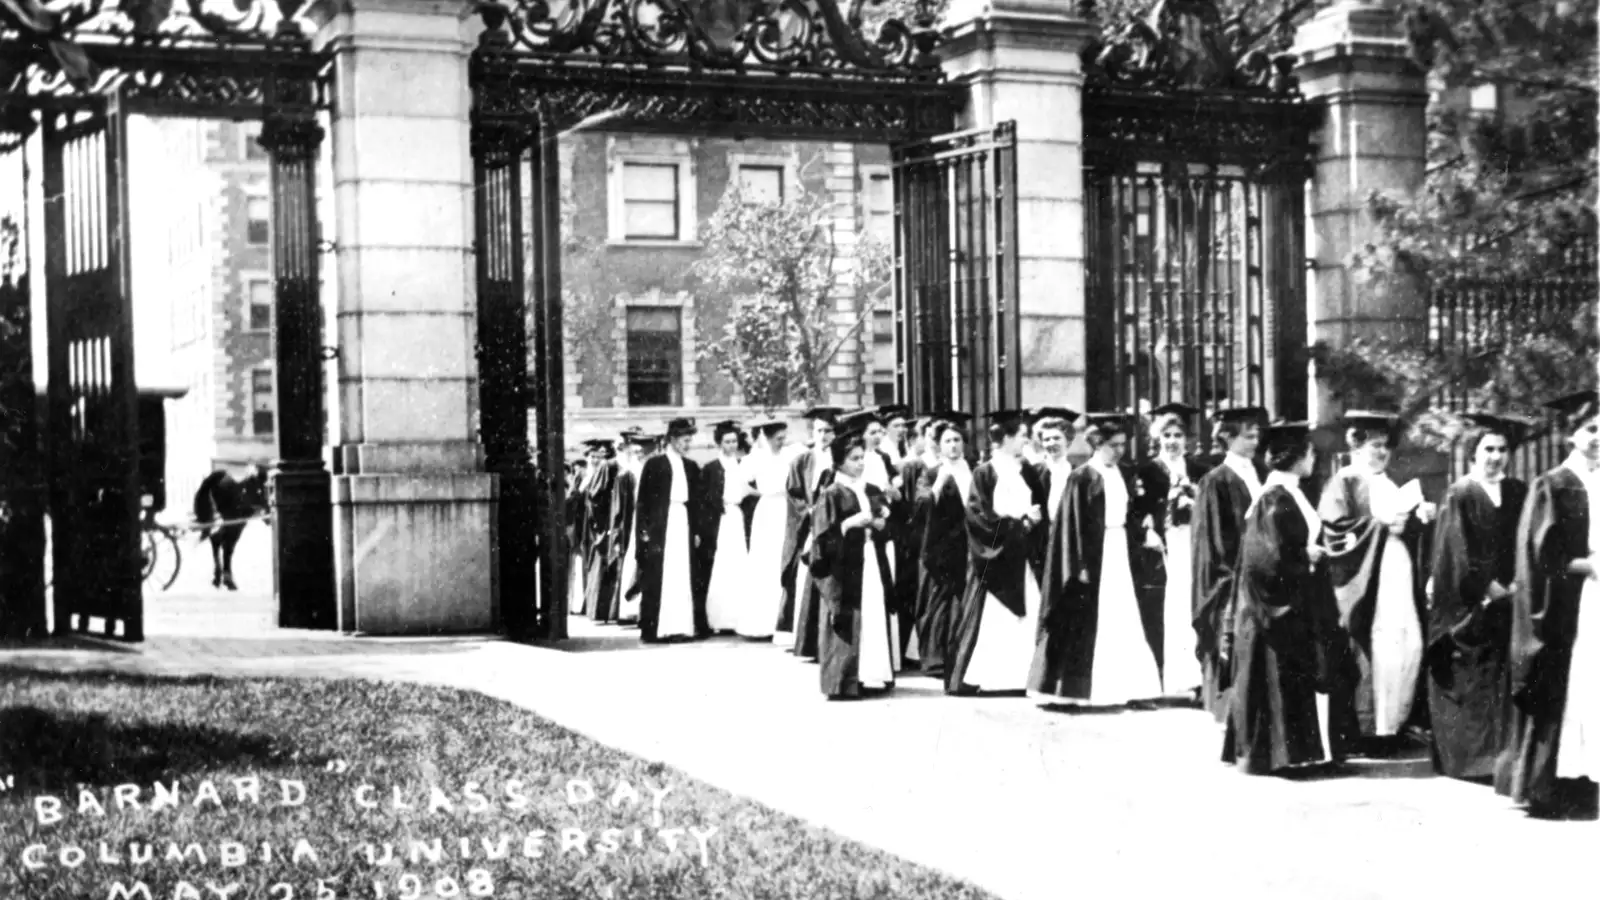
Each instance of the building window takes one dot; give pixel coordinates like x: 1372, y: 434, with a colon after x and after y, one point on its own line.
x: 252, y: 148
x: 878, y: 205
x: 261, y: 405
x: 761, y: 184
x: 258, y: 212
x: 1484, y: 98
x: 655, y: 356
x: 650, y: 201
x: 260, y: 298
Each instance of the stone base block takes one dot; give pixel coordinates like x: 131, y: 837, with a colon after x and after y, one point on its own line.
x: 416, y: 554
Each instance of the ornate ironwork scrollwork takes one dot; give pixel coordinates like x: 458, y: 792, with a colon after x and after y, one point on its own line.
x: 791, y: 37
x: 1183, y: 45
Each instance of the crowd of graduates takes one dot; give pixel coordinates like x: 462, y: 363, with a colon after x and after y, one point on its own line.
x: 1313, y: 632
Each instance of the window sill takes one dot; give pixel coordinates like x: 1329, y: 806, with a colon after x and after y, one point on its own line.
x: 654, y: 243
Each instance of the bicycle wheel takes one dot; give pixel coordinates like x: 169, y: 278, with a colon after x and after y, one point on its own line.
x: 162, y: 559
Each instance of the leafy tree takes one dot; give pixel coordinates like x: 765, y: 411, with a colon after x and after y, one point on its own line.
x: 782, y: 267
x: 1504, y: 219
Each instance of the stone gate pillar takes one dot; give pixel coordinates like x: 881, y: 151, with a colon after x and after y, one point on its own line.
x: 413, y: 508
x: 1354, y: 61
x: 1019, y: 60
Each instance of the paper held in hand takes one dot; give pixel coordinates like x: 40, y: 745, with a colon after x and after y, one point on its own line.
x: 1410, y: 496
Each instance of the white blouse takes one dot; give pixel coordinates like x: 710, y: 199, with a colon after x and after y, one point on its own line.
x: 1011, y: 495
x: 1116, y: 494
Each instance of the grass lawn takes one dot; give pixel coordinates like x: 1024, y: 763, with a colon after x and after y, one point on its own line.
x: 498, y: 802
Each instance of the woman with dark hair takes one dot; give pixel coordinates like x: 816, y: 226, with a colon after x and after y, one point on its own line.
x: 578, y: 533
x: 1091, y: 647
x: 602, y: 562
x: 1373, y: 529
x: 993, y: 635
x: 943, y: 494
x: 879, y: 471
x: 1222, y: 496
x: 1469, y: 610
x: 1281, y: 619
x: 1168, y: 483
x: 851, y: 571
x: 722, y: 545
x: 1555, y: 657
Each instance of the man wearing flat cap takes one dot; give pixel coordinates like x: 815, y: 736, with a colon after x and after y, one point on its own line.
x: 668, y: 498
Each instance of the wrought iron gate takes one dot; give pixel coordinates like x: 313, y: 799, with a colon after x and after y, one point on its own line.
x: 957, y: 329
x: 92, y: 419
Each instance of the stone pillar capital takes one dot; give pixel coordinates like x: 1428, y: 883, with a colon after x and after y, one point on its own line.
x: 414, y: 22
x: 981, y: 27
x: 1355, y: 38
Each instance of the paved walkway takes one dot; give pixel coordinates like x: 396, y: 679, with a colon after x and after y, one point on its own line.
x: 1029, y: 804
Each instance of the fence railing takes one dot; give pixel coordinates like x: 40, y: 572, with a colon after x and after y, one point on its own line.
x: 1470, y: 313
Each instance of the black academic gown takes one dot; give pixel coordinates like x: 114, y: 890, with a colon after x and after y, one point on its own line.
x: 913, y: 525
x: 655, y: 491
x: 1069, y: 611
x: 838, y: 566
x: 577, y: 537
x: 1001, y: 555
x: 943, y: 564
x: 602, y: 564
x: 805, y: 609
x: 1283, y: 613
x: 1553, y: 532
x: 1356, y: 543
x: 625, y: 497
x: 1221, y: 500
x: 708, y: 521
x: 1469, y: 687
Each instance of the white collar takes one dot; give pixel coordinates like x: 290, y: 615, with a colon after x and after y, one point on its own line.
x: 1243, y: 466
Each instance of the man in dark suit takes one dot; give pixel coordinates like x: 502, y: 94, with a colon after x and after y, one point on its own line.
x: 669, y: 497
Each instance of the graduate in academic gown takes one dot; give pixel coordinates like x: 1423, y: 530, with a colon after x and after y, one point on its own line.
x: 1374, y: 535
x: 1282, y: 619
x: 1555, y: 626
x: 1222, y: 497
x: 602, y: 514
x: 578, y: 534
x: 942, y: 493
x: 1469, y: 605
x: 879, y: 471
x: 809, y: 472
x: 630, y: 463
x: 912, y: 526
x: 850, y: 569
x: 992, y: 640
x: 1052, y: 433
x: 722, y: 532
x: 668, y: 496
x: 766, y: 473
x: 1091, y: 647
x: 899, y: 445
x: 1168, y: 484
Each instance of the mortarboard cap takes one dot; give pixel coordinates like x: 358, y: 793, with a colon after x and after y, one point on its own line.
x: 1096, y: 419
x: 604, y: 445
x: 1576, y: 408
x: 1241, y: 414
x: 855, y: 420
x: 680, y: 427
x: 891, y: 411
x: 1002, y: 416
x: 1514, y: 429
x: 1288, y: 431
x: 953, y: 416
x: 1181, y: 410
x: 1371, y: 420
x: 822, y: 414
x: 637, y: 438
x: 1035, y: 413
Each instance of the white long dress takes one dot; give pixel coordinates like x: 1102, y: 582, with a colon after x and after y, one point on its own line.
x: 1124, y: 669
x: 676, y: 616
x: 730, y: 570
x: 763, y: 593
x: 880, y: 641
x: 875, y: 473
x: 1180, y: 667
x: 1397, y: 639
x: 629, y: 610
x: 1004, y: 650
x: 1578, y: 752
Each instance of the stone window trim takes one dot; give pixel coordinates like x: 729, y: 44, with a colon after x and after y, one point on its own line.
x: 788, y: 161
x: 689, y: 365
x: 263, y: 400
x: 622, y: 151
x: 249, y: 150
x: 247, y: 278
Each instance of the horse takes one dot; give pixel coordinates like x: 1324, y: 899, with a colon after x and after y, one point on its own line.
x: 230, y: 503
